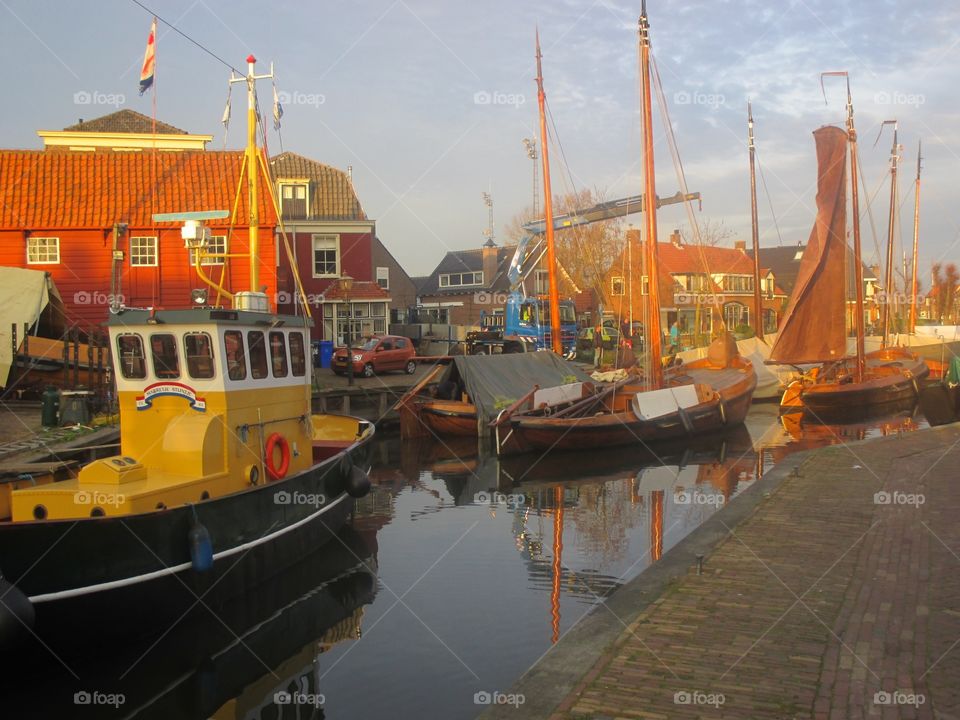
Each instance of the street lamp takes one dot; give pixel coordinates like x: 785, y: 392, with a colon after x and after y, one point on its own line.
x: 346, y: 282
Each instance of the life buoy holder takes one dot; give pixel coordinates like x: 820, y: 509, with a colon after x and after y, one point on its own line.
x: 274, y: 441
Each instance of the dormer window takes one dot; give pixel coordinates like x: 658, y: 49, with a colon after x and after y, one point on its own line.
x: 293, y: 200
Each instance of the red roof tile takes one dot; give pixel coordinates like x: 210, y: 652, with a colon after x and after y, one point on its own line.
x: 42, y: 190
x: 360, y: 290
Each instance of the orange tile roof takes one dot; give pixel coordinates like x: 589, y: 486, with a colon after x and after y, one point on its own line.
x: 360, y: 290
x: 703, y: 259
x: 43, y: 190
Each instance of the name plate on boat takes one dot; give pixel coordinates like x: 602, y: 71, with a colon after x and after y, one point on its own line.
x: 657, y: 403
x: 145, y: 401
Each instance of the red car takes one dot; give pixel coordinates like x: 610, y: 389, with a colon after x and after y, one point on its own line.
x: 378, y: 354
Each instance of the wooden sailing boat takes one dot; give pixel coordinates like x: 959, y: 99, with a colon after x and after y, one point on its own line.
x: 704, y: 396
x: 813, y: 330
x: 221, y: 461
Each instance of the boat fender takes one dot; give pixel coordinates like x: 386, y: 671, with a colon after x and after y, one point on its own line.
x: 201, y: 546
x: 16, y: 613
x: 346, y: 465
x: 358, y: 484
x: 277, y: 441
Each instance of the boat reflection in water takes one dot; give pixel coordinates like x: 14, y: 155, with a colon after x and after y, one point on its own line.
x: 251, y: 658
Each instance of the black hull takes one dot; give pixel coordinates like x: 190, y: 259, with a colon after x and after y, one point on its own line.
x: 860, y: 402
x: 135, y: 571
x: 198, y: 665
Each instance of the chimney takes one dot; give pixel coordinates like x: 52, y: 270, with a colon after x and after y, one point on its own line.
x: 740, y: 245
x: 675, y: 238
x: 490, y: 256
x: 633, y: 236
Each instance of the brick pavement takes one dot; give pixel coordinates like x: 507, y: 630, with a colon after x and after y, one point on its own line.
x: 822, y: 604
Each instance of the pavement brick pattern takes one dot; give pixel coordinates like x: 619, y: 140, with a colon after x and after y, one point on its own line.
x: 838, y: 598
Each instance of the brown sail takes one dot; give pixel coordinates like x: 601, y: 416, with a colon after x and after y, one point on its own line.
x: 813, y: 328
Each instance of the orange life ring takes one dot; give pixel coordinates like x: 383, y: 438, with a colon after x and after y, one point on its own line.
x: 273, y: 441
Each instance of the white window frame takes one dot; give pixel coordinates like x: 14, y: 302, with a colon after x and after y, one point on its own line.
x: 383, y: 273
x: 42, y: 254
x: 325, y: 238
x: 136, y: 255
x: 217, y: 244
x: 477, y: 279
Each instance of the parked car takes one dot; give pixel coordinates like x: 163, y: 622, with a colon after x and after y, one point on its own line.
x: 378, y: 354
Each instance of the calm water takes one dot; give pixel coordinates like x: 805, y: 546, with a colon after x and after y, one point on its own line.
x: 458, y: 573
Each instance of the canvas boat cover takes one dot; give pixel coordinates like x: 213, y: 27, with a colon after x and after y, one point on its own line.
x: 24, y: 295
x: 495, y: 382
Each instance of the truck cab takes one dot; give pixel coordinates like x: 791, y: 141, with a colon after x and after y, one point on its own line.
x: 529, y: 317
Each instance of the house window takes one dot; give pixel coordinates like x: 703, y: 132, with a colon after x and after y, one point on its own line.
x: 258, y: 354
x: 383, y: 277
x: 298, y: 362
x: 616, y: 287
x: 433, y: 315
x: 326, y: 255
x: 132, y: 365
x: 166, y: 362
x: 278, y: 354
x: 43, y: 251
x: 233, y: 346
x: 466, y: 279
x: 293, y: 201
x: 735, y: 314
x: 143, y: 251
x: 378, y: 311
x: 216, y: 245
x: 199, y: 352
x: 738, y: 283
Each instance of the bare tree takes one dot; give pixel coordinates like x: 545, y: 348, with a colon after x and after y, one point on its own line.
x: 585, y: 252
x: 712, y: 233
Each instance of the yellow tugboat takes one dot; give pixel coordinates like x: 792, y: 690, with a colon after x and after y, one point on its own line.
x: 221, y: 461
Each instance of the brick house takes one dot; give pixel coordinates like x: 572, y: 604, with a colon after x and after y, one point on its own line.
x: 466, y: 284
x: 690, y: 276
x: 351, y: 280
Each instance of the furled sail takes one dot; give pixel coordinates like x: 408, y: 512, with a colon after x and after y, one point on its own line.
x: 814, y: 329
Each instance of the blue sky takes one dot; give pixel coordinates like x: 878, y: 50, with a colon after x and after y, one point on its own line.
x: 392, y: 88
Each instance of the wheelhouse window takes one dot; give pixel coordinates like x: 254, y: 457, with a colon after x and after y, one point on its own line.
x: 326, y: 255
x: 43, y: 251
x: 298, y: 361
x: 199, y: 353
x: 166, y: 362
x: 233, y: 355
x: 278, y: 354
x: 130, y: 355
x: 258, y: 354
x: 143, y: 251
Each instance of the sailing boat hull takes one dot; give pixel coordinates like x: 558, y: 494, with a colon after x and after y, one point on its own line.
x: 893, y: 376
x: 726, y: 408
x: 131, y: 572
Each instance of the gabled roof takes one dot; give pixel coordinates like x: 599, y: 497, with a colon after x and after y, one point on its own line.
x: 124, y: 121
x: 359, y: 290
x: 703, y: 259
x: 785, y: 264
x: 331, y: 192
x: 42, y: 190
x: 456, y: 261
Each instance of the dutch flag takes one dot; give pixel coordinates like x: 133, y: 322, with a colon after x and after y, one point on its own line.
x: 149, y: 60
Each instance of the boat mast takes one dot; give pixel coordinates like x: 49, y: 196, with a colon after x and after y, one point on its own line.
x: 650, y: 202
x: 916, y: 239
x: 891, y: 221
x: 755, y: 230
x: 556, y: 341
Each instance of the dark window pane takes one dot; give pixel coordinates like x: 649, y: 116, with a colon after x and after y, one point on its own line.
x: 278, y: 354
x: 236, y: 363
x: 166, y: 362
x: 298, y: 362
x: 199, y: 351
x: 130, y: 354
x: 258, y: 354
